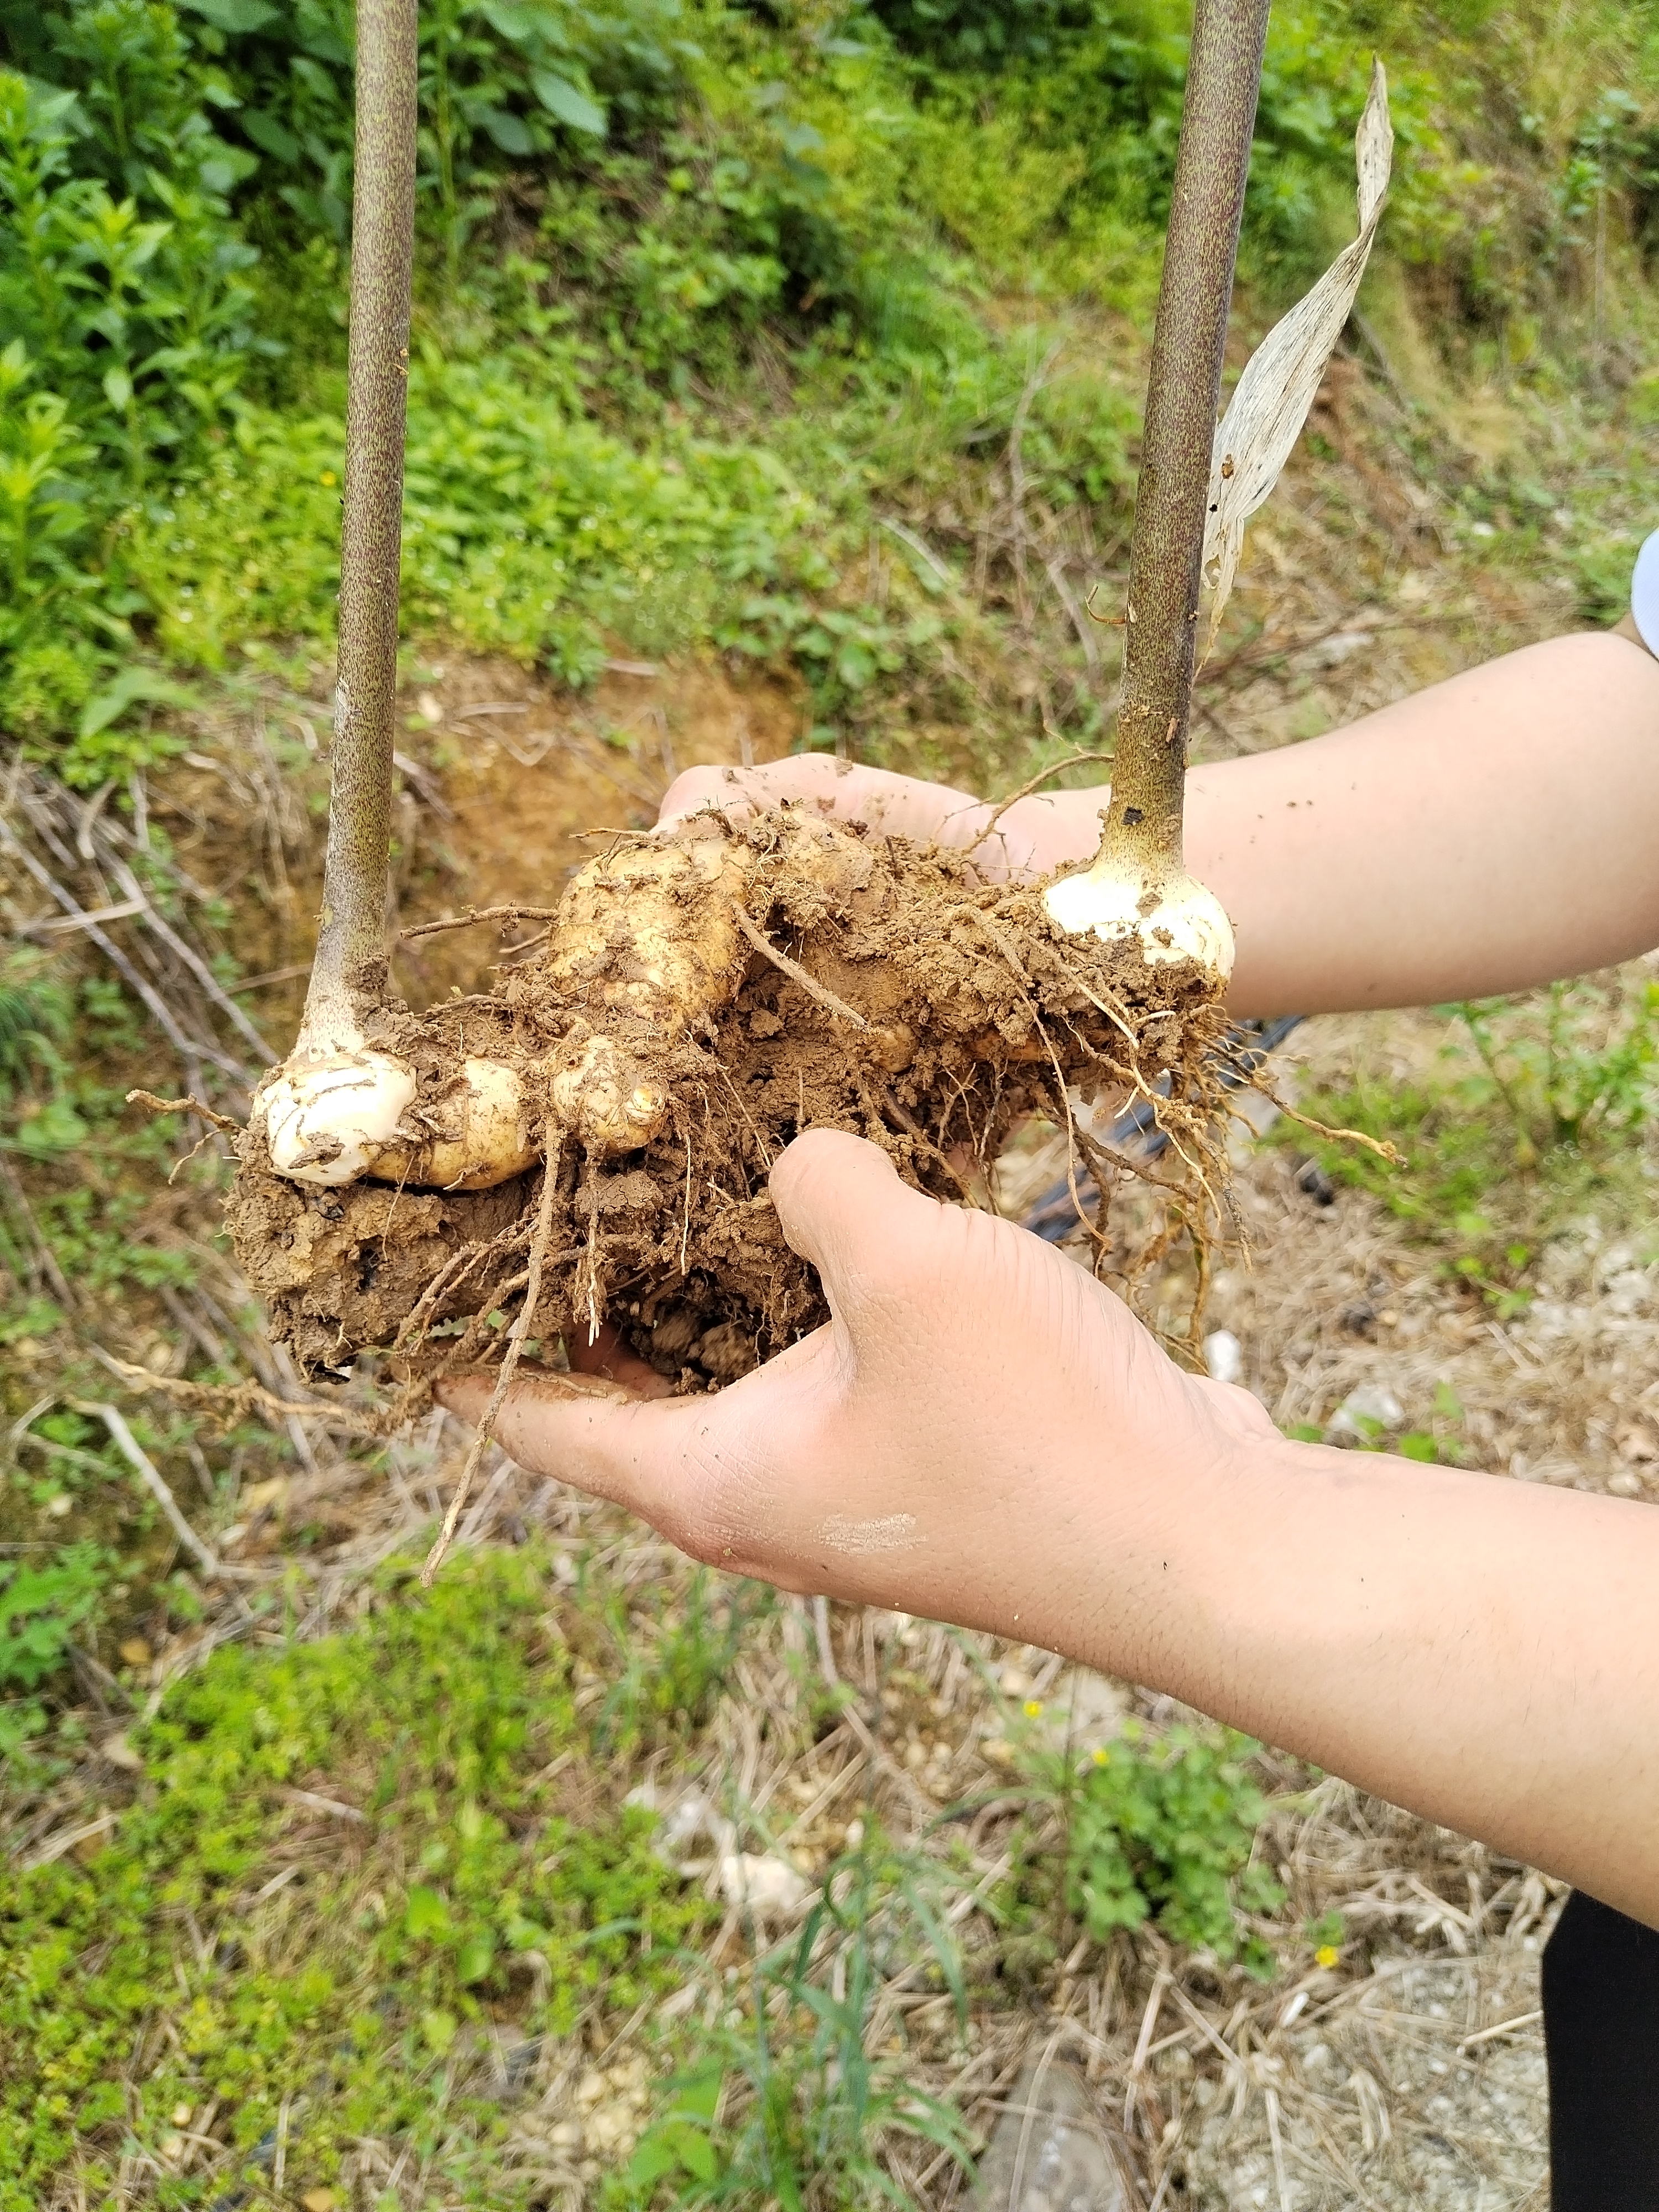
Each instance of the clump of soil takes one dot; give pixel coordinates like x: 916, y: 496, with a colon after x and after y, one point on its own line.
x: 739, y: 983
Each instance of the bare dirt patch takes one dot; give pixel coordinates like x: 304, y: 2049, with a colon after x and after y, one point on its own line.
x: 520, y: 776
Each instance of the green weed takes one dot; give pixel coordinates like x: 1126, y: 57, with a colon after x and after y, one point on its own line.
x: 707, y: 293
x: 680, y: 2146
x: 788, y: 2104
x: 37, y: 1011
x: 1159, y: 1827
x: 1165, y: 1828
x: 126, y: 310
x: 670, y: 1680
x: 30, y: 1317
x: 527, y: 528
x: 462, y: 1893
x: 1431, y: 1446
x: 43, y: 1601
x: 1581, y: 1069
x: 1534, y: 1105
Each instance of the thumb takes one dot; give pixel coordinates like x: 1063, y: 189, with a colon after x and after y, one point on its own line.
x: 585, y: 1430
x: 842, y: 1205
x: 694, y: 788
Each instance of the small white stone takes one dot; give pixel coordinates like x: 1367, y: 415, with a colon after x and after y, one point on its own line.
x: 1224, y: 1355
x: 766, y: 1885
x: 1371, y: 1401
x: 691, y: 1831
x: 607, y: 2127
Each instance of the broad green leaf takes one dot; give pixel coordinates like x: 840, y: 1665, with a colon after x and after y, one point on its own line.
x: 696, y: 2153
x: 268, y: 134
x: 236, y: 16
x: 426, y: 1916
x: 510, y: 132
x: 560, y: 98
x: 133, y: 684
x: 655, y: 2156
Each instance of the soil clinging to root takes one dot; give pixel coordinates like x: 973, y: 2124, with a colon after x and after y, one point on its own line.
x: 702, y: 998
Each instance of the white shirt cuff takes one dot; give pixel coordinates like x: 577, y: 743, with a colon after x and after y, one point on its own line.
x: 1645, y: 594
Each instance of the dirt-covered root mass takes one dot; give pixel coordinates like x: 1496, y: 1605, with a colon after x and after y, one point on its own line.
x: 700, y: 1000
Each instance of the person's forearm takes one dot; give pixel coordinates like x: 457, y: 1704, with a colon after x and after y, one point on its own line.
x: 1485, y: 1651
x: 1494, y: 832
x: 982, y: 1433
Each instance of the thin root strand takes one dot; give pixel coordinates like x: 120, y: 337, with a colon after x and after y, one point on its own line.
x: 516, y: 1344
x: 795, y: 972
x: 1380, y: 1146
x: 476, y: 914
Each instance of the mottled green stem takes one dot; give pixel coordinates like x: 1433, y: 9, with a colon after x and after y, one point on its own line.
x: 1223, y: 76
x: 349, y: 975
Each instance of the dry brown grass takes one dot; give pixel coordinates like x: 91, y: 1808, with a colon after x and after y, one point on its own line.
x: 1409, y: 2072
x: 1373, y: 2082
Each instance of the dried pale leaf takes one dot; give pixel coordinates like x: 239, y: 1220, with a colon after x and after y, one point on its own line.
x: 765, y: 1884
x: 1270, y: 403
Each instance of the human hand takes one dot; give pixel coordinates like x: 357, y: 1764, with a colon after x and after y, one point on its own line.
x: 982, y: 1433
x: 1033, y: 836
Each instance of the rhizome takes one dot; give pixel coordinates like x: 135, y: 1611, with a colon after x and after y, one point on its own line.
x: 701, y: 999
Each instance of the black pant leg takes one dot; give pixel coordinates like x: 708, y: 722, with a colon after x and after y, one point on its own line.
x: 1601, y: 2036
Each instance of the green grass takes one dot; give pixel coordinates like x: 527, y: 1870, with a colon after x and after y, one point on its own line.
x: 705, y: 294
x: 1536, y: 1109
x: 230, y: 1953
x: 230, y: 1950
x: 446, y: 1721
x: 785, y: 2104
x: 529, y: 529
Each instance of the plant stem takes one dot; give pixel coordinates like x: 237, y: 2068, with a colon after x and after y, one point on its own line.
x: 349, y: 975
x: 1223, y: 76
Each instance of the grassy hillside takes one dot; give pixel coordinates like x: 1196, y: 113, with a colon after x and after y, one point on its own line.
x: 735, y: 325
x: 797, y: 351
